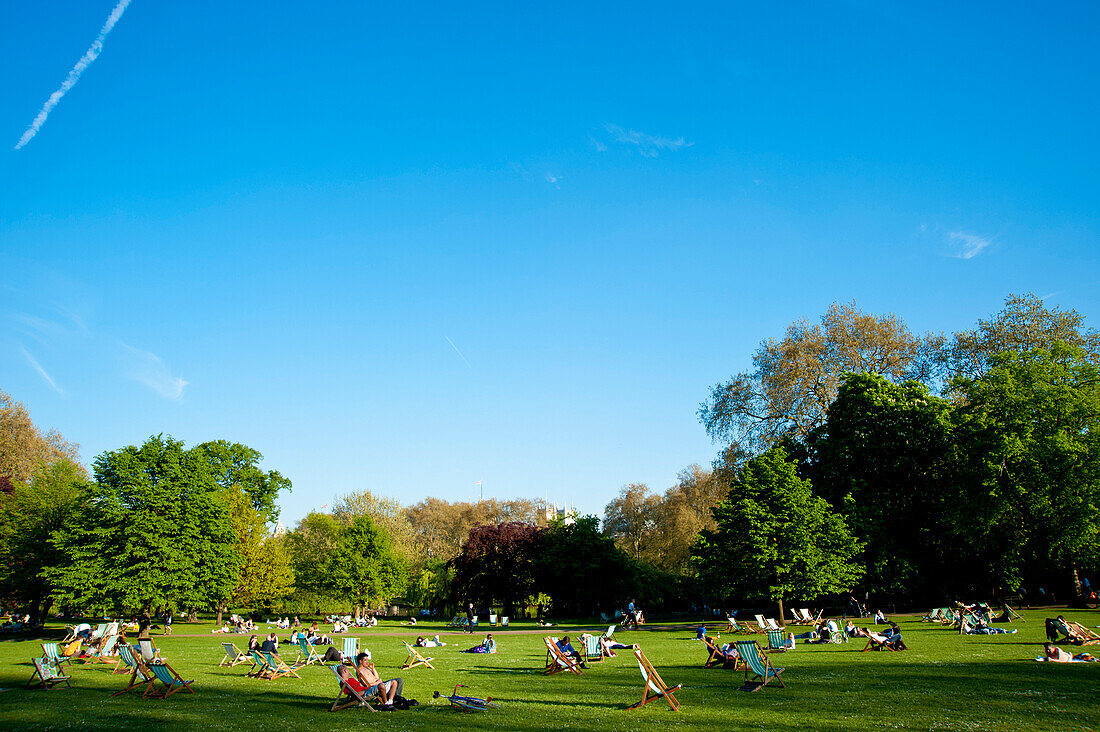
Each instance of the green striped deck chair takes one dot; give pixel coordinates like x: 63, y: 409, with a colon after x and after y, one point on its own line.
x: 171, y: 682
x: 592, y: 650
x: 349, y: 697
x: 492, y: 620
x: 52, y: 653
x: 351, y: 649
x: 932, y: 616
x: 654, y: 686
x: 261, y: 669
x: 139, y: 672
x: 98, y: 632
x: 758, y: 664
x: 504, y: 622
x: 233, y: 655
x: 279, y: 667
x: 48, y: 675
x: 777, y: 641
x: 107, y: 648
x: 307, y: 653
x: 414, y: 659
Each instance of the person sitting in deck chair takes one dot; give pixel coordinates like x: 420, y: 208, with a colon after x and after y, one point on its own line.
x: 608, y: 646
x: 851, y: 629
x: 567, y: 649
x: 423, y: 642
x: 893, y: 637
x: 701, y: 632
x: 487, y: 646
x: 368, y: 675
x: 270, y: 644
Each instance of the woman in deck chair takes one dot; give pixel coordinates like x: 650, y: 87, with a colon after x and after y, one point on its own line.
x: 609, y: 646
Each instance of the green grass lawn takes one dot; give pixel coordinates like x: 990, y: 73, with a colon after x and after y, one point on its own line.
x: 945, y: 681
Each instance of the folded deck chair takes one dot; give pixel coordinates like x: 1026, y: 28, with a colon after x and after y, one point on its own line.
x: 556, y: 661
x: 170, y: 682
x: 592, y: 650
x: 717, y: 658
x: 879, y: 642
x: 233, y: 656
x: 139, y: 672
x: 48, y: 675
x: 351, y: 649
x: 307, y: 654
x: 654, y: 686
x: 758, y: 664
x: 414, y: 659
x: 777, y: 641
x: 349, y: 697
x: 52, y: 653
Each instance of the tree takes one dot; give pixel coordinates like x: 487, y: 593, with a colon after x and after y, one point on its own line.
x: 1025, y: 324
x: 1028, y: 432
x: 775, y: 539
x: 28, y: 518
x: 236, y: 466
x: 582, y: 569
x: 440, y: 527
x: 23, y: 448
x: 497, y: 563
x: 630, y: 517
x: 265, y: 573
x: 387, y: 513
x: 679, y: 516
x: 793, y: 381
x: 883, y: 460
x: 153, y: 531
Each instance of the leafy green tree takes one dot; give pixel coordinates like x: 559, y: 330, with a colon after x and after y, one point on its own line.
x: 1028, y: 433
x: 582, y: 569
x: 28, y: 518
x: 681, y: 513
x: 154, y: 531
x: 431, y: 585
x: 775, y: 539
x: 630, y: 518
x: 883, y: 460
x: 236, y: 466
x: 265, y: 573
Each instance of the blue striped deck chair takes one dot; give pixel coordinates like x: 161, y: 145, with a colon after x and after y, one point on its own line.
x: 492, y: 620
x: 107, y: 648
x: 504, y: 622
x: 307, y: 653
x: 414, y: 658
x: 349, y: 697
x: 777, y: 641
x: 278, y: 667
x: 655, y: 688
x: 139, y: 672
x: 52, y: 653
x: 233, y: 655
x: 592, y: 650
x: 48, y: 675
x: 351, y: 649
x: 260, y: 667
x: 757, y: 663
x: 171, y: 682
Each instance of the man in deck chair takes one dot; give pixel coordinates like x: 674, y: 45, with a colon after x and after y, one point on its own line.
x: 569, y: 651
x: 352, y: 691
x: 654, y: 686
x: 372, y: 683
x: 723, y: 656
x: 556, y: 661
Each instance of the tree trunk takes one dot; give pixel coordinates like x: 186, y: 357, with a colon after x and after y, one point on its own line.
x: 780, y: 618
x: 221, y: 609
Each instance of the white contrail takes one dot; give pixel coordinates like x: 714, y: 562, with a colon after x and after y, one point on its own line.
x: 74, y: 74
x: 458, y: 351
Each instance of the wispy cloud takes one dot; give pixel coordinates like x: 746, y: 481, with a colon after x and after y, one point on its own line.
x: 458, y: 351
x: 649, y: 146
x: 553, y: 180
x: 41, y: 371
x: 149, y: 369
x: 74, y: 74
x: 600, y: 146
x: 969, y: 245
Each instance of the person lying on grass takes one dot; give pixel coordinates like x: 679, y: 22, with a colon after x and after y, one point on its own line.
x: 982, y: 629
x: 487, y: 646
x: 608, y: 646
x: 1054, y: 654
x: 423, y: 642
x: 368, y: 676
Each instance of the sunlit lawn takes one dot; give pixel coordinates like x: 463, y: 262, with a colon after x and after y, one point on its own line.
x: 945, y: 681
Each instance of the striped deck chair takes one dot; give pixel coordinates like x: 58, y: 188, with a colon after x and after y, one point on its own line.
x: 504, y: 622
x: 717, y: 658
x: 777, y: 641
x: 233, y: 655
x: 171, y: 682
x: 492, y: 620
x: 351, y: 649
x: 414, y: 659
x: 307, y: 654
x: 139, y: 672
x: 933, y: 616
x: 101, y: 654
x: 758, y: 664
x: 610, y: 632
x: 654, y: 686
x: 48, y: 675
x: 458, y: 621
x: 278, y: 667
x: 261, y: 669
x: 98, y: 632
x: 52, y: 653
x: 349, y: 697
x: 556, y: 661
x: 149, y: 651
x: 592, y: 650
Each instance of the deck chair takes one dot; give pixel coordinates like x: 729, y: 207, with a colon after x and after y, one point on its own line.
x: 717, y: 658
x: 139, y: 672
x: 777, y: 641
x: 349, y: 697
x: 279, y: 668
x: 592, y: 650
x: 414, y: 659
x: 101, y: 654
x: 48, y: 675
x: 772, y: 624
x: 932, y: 616
x: 351, y: 649
x: 307, y: 654
x: 758, y: 664
x: 878, y: 642
x: 1090, y: 638
x: 556, y: 661
x: 149, y: 651
x: 52, y: 653
x: 654, y: 686
x: 458, y: 621
x: 492, y: 620
x: 604, y: 618
x: 170, y: 681
x: 98, y: 632
x: 610, y: 632
x: 70, y: 633
x: 743, y: 628
x: 504, y: 622
x: 233, y: 656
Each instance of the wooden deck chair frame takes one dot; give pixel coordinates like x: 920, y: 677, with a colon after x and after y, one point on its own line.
x: 49, y: 675
x: 878, y: 642
x: 758, y: 664
x: 777, y: 641
x: 70, y: 634
x: 414, y: 659
x: 307, y: 653
x: 279, y: 667
x: 139, y: 672
x: 171, y: 682
x: 98, y: 632
x: 654, y: 687
x: 233, y: 656
x: 610, y: 631
x: 557, y: 661
x: 718, y: 659
x: 349, y: 697
x: 1089, y: 637
x: 261, y: 669
x: 99, y: 655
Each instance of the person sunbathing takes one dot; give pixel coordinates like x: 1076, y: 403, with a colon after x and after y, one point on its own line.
x: 368, y: 676
x: 608, y: 646
x: 487, y: 646
x: 423, y: 642
x: 982, y: 629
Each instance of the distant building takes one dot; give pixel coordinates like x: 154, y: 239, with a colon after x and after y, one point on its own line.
x: 279, y: 529
x: 567, y: 514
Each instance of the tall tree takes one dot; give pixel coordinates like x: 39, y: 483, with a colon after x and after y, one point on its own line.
x: 683, y: 511
x: 154, y: 531
x: 440, y: 527
x: 581, y: 569
x: 630, y: 518
x: 775, y: 539
x: 24, y: 448
x: 236, y: 466
x: 387, y: 513
x: 497, y: 563
x: 794, y: 380
x: 265, y: 573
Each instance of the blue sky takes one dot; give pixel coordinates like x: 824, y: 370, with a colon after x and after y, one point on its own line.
x: 269, y: 222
